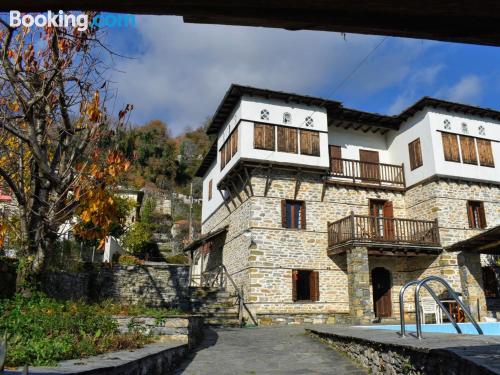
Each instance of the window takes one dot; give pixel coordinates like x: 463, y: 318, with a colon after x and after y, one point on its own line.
x: 210, y: 190
x: 465, y: 128
x: 309, y: 121
x: 447, y: 124
x: 336, y: 166
x: 468, y: 147
x: 305, y: 285
x: 264, y: 115
x: 263, y: 137
x: 490, y: 282
x: 293, y: 214
x: 475, y: 212
x: 287, y: 118
x: 450, y: 147
x: 287, y: 139
x: 481, y: 130
x: 415, y: 154
x: 309, y: 142
x: 485, y: 153
x: 229, y: 148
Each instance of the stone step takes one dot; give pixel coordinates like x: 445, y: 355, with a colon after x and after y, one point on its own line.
x: 217, y: 311
x: 222, y: 322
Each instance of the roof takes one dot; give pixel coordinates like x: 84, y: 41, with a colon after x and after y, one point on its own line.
x: 487, y: 242
x: 205, y: 238
x: 235, y: 92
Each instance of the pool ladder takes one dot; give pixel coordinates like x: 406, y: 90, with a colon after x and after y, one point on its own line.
x: 423, y: 283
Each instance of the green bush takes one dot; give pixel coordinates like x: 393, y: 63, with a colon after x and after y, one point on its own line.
x: 138, y: 238
x: 42, y: 331
x: 177, y: 259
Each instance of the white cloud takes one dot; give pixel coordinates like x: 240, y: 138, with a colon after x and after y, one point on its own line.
x: 468, y: 90
x: 183, y: 70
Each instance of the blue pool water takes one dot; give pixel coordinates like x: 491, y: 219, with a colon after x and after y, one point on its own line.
x: 467, y: 328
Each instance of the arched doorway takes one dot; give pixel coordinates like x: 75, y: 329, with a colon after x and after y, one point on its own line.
x: 381, y: 282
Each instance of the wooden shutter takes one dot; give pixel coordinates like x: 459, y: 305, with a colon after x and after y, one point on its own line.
x: 234, y: 142
x: 369, y: 161
x: 295, y: 276
x: 388, y: 212
x: 485, y: 153
x: 450, y: 147
x: 309, y: 142
x: 269, y: 137
x: 227, y: 147
x: 303, y: 215
x: 258, y: 136
x: 482, y: 216
x: 210, y: 190
x: 335, y: 163
x: 415, y: 154
x: 283, y: 213
x: 314, y: 285
x: 287, y: 139
x: 468, y: 147
x: 470, y: 214
x: 222, y: 158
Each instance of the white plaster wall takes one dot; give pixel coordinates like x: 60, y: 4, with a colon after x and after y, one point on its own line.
x: 351, y: 141
x: 448, y: 168
x: 415, y: 127
x: 209, y: 206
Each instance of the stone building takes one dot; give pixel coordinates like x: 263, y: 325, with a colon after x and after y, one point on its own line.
x: 322, y: 213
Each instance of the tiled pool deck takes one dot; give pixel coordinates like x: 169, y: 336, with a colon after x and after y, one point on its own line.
x: 470, y: 354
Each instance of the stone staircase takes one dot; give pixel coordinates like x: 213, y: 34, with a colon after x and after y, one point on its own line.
x: 218, y: 306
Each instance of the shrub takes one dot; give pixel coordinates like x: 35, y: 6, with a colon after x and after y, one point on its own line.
x: 138, y: 238
x: 42, y: 331
x: 177, y: 259
x: 127, y: 260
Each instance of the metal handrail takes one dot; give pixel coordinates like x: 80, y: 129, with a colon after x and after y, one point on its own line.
x: 431, y: 292
x: 453, y: 295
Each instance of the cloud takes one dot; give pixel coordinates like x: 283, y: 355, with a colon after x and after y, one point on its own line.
x: 181, y: 71
x: 468, y: 90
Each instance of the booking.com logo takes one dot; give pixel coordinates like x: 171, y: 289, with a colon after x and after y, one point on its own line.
x: 79, y: 21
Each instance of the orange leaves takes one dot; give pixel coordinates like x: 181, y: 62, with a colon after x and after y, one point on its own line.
x: 3, y: 232
x: 14, y: 106
x: 92, y: 110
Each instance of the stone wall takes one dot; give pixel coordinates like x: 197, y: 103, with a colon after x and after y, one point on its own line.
x: 152, y: 284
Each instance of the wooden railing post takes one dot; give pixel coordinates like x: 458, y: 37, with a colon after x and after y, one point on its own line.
x: 353, y: 226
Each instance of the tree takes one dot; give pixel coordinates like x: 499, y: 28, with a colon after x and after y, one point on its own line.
x: 52, y: 118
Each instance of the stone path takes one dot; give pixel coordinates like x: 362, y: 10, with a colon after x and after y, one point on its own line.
x: 269, y: 351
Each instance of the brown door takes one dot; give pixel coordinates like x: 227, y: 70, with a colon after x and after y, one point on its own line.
x: 369, y: 165
x: 388, y: 223
x: 335, y: 163
x: 381, y: 282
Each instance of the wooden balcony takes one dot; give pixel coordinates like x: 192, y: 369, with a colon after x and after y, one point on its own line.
x: 384, y: 235
x: 367, y: 173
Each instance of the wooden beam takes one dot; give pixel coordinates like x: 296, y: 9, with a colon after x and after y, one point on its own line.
x: 249, y: 180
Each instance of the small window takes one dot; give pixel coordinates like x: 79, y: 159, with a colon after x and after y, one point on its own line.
x: 309, y: 122
x: 490, y: 282
x: 468, y: 147
x: 482, y: 130
x: 305, y: 285
x: 465, y: 128
x: 210, y: 190
x: 309, y: 142
x: 415, y: 154
x: 485, y: 153
x: 264, y: 115
x: 447, y: 124
x: 287, y: 140
x: 263, y: 137
x: 287, y: 118
x: 450, y: 147
x: 475, y: 212
x: 293, y: 214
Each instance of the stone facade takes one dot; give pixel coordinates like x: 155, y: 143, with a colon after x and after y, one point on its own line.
x: 261, y: 255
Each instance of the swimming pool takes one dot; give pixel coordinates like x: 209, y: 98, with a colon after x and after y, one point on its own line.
x: 492, y: 329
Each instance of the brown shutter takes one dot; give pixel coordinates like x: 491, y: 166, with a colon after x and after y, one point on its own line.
x: 283, y: 213
x: 303, y: 215
x: 388, y: 211
x: 295, y: 276
x: 482, y: 216
x: 258, y: 136
x: 314, y: 285
x: 309, y: 142
x: 485, y: 153
x: 470, y: 215
x: 222, y: 158
x: 335, y: 163
x: 450, y: 147
x: 234, y: 142
x: 287, y: 139
x: 269, y: 137
x: 210, y: 190
x: 415, y: 154
x: 227, y: 147
x: 468, y: 146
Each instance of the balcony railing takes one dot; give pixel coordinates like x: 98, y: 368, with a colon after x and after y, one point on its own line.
x: 367, y: 172
x: 372, y: 229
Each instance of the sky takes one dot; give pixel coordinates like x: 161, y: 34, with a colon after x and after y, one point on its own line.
x: 179, y: 72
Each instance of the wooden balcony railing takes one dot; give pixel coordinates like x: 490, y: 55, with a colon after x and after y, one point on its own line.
x: 367, y: 229
x: 367, y: 172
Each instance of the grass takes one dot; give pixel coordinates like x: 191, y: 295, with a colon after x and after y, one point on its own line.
x: 42, y: 331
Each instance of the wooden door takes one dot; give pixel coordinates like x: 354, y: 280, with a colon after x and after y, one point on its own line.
x: 335, y: 163
x: 381, y: 283
x: 376, y: 210
x: 369, y: 165
x: 388, y: 212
